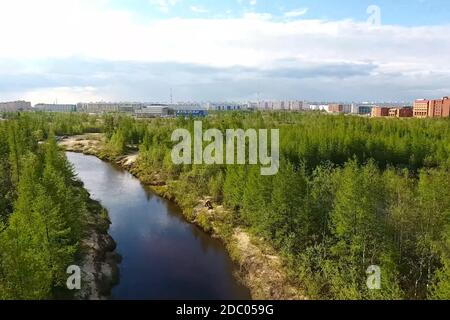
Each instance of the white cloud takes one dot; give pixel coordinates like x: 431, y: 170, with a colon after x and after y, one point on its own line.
x: 62, y: 95
x: 164, y: 5
x: 296, y: 13
x: 257, y: 16
x: 89, y: 28
x: 250, y: 2
x: 198, y: 9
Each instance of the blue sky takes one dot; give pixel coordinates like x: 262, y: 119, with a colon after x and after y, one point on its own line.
x: 399, y: 12
x: 204, y: 50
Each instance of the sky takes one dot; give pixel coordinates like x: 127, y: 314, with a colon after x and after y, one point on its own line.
x: 68, y: 51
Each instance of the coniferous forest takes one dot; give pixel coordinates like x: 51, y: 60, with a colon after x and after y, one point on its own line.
x: 351, y: 192
x: 42, y: 209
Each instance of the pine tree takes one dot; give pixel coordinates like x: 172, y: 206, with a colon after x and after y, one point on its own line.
x: 359, y: 225
x: 434, y: 217
x: 440, y: 288
x: 256, y: 200
x: 288, y: 220
x: 6, y: 187
x: 25, y: 258
x: 319, y: 202
x: 16, y: 151
x: 234, y: 185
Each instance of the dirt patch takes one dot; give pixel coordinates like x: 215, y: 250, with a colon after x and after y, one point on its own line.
x: 91, y: 144
x: 262, y: 269
x: 127, y: 161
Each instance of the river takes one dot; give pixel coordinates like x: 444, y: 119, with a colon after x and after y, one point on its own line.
x: 164, y: 257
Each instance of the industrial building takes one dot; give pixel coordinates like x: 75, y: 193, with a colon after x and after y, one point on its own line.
x: 226, y: 106
x: 186, y: 106
x: 191, y: 113
x: 187, y: 109
x: 109, y: 107
x: 55, y: 107
x: 155, y: 111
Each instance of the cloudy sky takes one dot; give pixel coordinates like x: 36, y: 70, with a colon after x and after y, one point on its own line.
x: 209, y: 50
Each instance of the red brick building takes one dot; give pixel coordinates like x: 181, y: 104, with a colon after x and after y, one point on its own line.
x: 380, y: 112
x: 401, y: 112
x: 335, y: 108
x: 439, y: 108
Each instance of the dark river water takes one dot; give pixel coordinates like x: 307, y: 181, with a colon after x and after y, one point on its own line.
x: 164, y: 257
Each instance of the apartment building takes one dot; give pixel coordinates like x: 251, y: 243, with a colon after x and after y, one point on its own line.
x: 420, y: 109
x: 292, y: 105
x: 380, y: 112
x: 296, y: 105
x: 55, y: 107
x: 335, y: 108
x: 15, y: 106
x: 401, y: 112
x: 109, y: 107
x: 439, y: 108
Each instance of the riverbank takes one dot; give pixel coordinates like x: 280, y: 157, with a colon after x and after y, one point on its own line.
x: 260, y: 268
x: 97, y: 260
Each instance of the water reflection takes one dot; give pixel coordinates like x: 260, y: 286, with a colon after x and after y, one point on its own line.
x: 164, y: 257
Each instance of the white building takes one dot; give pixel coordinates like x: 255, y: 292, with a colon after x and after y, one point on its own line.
x: 109, y: 107
x: 318, y: 107
x: 187, y: 106
x: 347, y: 108
x: 226, y: 106
x: 292, y: 105
x: 55, y: 107
x: 152, y: 111
x: 362, y: 109
x: 252, y: 105
x: 265, y: 105
x: 15, y: 106
x: 295, y: 105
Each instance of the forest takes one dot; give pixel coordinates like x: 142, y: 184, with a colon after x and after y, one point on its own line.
x: 351, y: 192
x: 42, y: 208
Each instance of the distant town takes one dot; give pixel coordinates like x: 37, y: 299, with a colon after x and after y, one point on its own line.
x: 420, y: 108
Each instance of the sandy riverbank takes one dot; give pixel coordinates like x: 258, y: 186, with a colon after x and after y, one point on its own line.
x: 261, y: 269
x: 98, y: 260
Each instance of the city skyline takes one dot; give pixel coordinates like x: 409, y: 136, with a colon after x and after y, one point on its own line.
x: 110, y: 50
